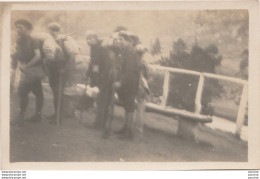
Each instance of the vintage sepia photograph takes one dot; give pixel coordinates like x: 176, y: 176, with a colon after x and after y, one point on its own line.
x: 116, y: 85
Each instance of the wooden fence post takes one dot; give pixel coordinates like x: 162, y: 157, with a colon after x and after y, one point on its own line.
x: 241, y: 110
x: 166, y: 87
x: 199, y: 94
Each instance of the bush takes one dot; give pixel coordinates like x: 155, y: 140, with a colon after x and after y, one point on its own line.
x: 183, y: 87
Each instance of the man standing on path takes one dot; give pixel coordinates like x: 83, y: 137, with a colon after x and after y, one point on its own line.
x: 102, y: 73
x: 95, y: 71
x: 28, y: 53
x: 59, y: 70
x: 128, y: 84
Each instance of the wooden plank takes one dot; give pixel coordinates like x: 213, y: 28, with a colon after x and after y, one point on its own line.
x: 227, y: 78
x: 176, y: 70
x: 169, y: 111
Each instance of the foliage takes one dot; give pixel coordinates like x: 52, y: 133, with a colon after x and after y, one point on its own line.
x: 243, y: 67
x: 155, y: 83
x: 183, y: 87
x: 182, y: 91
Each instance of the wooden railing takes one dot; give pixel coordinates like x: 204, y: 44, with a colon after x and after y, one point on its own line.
x: 243, y: 101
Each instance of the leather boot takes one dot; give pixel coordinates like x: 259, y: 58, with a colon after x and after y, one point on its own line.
x: 36, y: 117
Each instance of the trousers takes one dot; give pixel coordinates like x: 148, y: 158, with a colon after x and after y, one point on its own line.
x: 27, y: 86
x: 55, y: 78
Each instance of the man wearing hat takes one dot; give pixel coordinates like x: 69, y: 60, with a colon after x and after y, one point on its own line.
x: 102, y: 73
x: 59, y: 69
x: 94, y: 73
x: 127, y: 86
x: 96, y: 65
x: 28, y: 53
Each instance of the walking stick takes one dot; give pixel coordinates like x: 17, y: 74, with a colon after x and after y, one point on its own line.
x: 109, y: 107
x: 59, y: 100
x: 111, y: 110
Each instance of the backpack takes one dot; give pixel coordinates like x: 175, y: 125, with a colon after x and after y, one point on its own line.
x: 52, y: 52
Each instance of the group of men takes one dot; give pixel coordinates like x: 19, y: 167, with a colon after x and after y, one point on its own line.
x: 34, y: 66
x: 116, y: 68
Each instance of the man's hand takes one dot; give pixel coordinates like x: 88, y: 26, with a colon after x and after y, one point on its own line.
x: 12, y: 79
x: 116, y: 85
x: 23, y: 68
x: 61, y: 37
x: 62, y: 71
x: 35, y: 59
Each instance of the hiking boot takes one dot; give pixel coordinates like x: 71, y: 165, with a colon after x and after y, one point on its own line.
x: 121, y: 131
x: 53, y: 122
x: 18, y: 120
x: 35, y: 118
x: 127, y: 135
x: 51, y: 117
x: 95, y: 125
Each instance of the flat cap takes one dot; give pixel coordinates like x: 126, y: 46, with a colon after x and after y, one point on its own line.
x: 128, y: 35
x: 25, y: 23
x: 54, y: 26
x: 90, y: 33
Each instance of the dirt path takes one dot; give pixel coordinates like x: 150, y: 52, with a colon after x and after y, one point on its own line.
x: 72, y: 141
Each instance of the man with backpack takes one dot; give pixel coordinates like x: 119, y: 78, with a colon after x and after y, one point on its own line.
x: 102, y: 73
x: 95, y: 70
x: 60, y: 69
x: 128, y: 84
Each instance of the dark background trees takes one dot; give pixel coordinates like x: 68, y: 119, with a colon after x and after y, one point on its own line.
x: 183, y: 87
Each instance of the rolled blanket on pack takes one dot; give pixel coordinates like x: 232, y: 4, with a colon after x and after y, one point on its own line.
x: 108, y: 42
x: 71, y: 46
x: 52, y: 51
x: 92, y: 91
x: 75, y: 90
x: 81, y: 89
x: 42, y: 36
